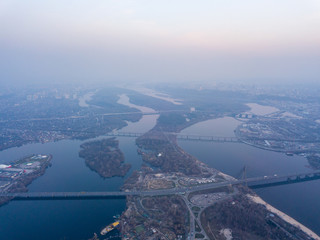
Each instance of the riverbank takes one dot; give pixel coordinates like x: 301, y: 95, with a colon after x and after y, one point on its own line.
x: 284, y: 216
x: 297, y: 200
x: 169, y: 162
x: 19, y: 174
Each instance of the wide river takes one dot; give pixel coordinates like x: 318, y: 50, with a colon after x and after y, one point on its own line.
x: 68, y: 219
x: 80, y: 219
x: 301, y: 201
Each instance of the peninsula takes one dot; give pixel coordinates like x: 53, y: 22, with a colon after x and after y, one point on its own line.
x: 16, y: 176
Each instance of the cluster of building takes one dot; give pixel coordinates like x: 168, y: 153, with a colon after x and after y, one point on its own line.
x: 281, y: 134
x: 10, y: 173
x: 191, y: 181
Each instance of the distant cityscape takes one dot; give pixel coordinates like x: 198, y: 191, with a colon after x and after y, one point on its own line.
x: 93, y: 116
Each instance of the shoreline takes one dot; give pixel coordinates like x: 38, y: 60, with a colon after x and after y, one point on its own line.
x: 21, y: 184
x: 259, y: 200
x: 284, y: 216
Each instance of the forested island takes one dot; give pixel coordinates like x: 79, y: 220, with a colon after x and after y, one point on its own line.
x: 104, y: 157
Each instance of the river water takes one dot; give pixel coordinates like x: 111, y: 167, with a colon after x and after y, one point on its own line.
x: 72, y: 219
x: 80, y: 219
x: 300, y: 201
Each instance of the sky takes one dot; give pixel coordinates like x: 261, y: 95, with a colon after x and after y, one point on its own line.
x: 159, y: 41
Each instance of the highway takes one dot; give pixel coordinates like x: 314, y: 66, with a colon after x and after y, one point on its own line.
x: 179, y: 137
x: 95, y: 115
x: 251, y: 182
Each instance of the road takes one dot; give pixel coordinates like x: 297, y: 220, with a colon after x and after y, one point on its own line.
x: 251, y: 182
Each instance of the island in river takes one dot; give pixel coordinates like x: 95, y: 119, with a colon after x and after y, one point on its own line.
x: 17, y: 175
x: 219, y: 214
x: 104, y: 157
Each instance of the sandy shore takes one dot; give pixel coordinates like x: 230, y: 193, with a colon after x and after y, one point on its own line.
x: 227, y: 177
x: 284, y: 216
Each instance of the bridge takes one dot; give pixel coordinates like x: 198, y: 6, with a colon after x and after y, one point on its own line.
x: 184, y: 137
x: 256, y: 182
x: 97, y: 115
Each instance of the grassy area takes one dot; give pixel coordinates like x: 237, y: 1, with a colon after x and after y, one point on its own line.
x: 196, y: 209
x: 139, y: 229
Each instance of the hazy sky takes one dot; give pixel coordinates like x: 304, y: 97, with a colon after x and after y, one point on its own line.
x: 160, y: 40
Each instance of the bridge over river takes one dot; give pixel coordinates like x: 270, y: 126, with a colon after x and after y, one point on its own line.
x: 179, y: 137
x: 208, y: 138
x: 257, y: 182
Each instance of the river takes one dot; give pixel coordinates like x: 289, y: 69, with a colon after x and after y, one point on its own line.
x: 72, y: 219
x: 80, y: 219
x: 300, y: 201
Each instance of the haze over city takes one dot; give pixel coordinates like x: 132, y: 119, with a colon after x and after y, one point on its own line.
x: 160, y: 120
x: 101, y: 41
